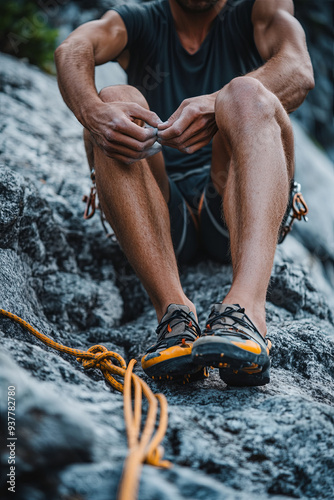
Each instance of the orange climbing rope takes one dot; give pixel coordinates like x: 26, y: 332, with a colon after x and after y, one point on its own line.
x: 144, y: 446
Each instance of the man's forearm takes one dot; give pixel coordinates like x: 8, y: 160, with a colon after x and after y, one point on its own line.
x: 280, y: 40
x: 76, y: 69
x: 289, y: 80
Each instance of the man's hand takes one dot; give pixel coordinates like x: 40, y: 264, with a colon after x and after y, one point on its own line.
x: 116, y: 129
x: 192, y: 126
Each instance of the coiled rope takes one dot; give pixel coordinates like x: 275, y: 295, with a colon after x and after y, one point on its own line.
x: 144, y: 446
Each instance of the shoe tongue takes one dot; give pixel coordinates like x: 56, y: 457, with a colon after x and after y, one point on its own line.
x: 178, y: 329
x: 220, y: 308
x: 174, y: 307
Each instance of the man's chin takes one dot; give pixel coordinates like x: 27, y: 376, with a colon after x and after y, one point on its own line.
x: 197, y: 5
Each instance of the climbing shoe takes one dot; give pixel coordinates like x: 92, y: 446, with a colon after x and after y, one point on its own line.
x: 170, y: 357
x: 232, y: 343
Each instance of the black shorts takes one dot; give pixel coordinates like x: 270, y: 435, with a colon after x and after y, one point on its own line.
x: 196, y: 216
x: 195, y: 210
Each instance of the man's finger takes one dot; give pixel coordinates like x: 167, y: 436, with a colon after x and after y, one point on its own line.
x: 164, y: 125
x: 146, y: 115
x: 192, y: 149
x: 195, y: 128
x: 115, y: 149
x: 128, y: 128
x: 178, y: 127
x: 196, y: 132
x: 203, y: 137
x: 129, y: 142
x: 172, y: 119
x: 179, y: 142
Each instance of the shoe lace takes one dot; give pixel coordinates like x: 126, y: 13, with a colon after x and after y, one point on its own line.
x: 192, y: 329
x: 229, y: 313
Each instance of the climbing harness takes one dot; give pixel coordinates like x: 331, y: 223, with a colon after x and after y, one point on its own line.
x: 297, y: 210
x: 92, y: 204
x: 144, y: 446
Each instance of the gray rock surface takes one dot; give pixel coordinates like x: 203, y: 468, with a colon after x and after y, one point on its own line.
x: 64, y: 277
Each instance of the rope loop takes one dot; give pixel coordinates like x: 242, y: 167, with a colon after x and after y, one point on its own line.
x: 144, y: 446
x: 101, y: 353
x: 154, y: 458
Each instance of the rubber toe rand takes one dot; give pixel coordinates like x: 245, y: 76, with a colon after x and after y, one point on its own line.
x: 174, y: 363
x: 237, y: 366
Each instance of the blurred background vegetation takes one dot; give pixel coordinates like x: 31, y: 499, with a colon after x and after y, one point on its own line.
x: 26, y: 32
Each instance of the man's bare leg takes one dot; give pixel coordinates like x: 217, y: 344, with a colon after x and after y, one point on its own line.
x: 135, y: 206
x: 252, y: 167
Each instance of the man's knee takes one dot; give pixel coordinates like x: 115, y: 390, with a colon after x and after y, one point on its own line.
x: 245, y: 101
x: 123, y: 93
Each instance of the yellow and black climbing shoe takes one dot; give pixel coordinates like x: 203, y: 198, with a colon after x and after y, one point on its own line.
x: 170, y: 357
x: 232, y: 343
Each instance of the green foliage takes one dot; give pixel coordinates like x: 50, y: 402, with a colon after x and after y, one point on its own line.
x: 25, y: 31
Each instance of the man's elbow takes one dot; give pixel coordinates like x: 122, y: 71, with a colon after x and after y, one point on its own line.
x: 58, y: 53
x: 305, y: 79
x: 61, y: 49
x: 65, y: 50
x: 308, y: 79
x: 307, y: 75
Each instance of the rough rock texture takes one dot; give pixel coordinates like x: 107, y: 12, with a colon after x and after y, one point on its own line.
x: 63, y: 276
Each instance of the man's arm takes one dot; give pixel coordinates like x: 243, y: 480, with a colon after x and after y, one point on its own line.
x: 111, y: 124
x: 280, y: 40
x: 92, y: 44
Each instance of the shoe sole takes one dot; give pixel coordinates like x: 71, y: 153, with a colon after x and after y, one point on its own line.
x: 174, y: 363
x: 237, y: 367
x: 241, y: 378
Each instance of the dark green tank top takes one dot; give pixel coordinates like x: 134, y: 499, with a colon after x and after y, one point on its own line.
x: 167, y: 74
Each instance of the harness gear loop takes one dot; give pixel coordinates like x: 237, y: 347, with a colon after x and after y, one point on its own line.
x: 299, y: 207
x: 92, y: 204
x: 144, y: 447
x: 91, y: 199
x: 298, y: 210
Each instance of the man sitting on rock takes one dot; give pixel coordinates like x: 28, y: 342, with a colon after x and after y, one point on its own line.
x: 211, y: 82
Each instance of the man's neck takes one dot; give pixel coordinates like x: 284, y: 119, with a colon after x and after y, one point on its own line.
x: 192, y: 27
